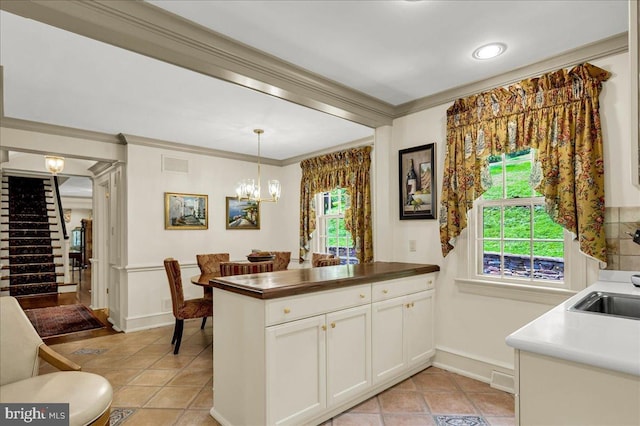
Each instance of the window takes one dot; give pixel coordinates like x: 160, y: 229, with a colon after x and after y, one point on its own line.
x: 516, y: 240
x: 332, y: 235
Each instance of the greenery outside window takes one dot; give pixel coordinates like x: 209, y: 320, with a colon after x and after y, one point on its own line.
x: 332, y: 235
x: 516, y: 240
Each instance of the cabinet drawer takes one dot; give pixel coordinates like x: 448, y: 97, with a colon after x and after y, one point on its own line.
x: 306, y: 305
x: 394, y: 288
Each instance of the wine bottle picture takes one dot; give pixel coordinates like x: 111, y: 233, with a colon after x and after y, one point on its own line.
x: 412, y: 181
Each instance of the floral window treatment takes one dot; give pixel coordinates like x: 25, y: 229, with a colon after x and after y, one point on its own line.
x: 349, y: 169
x: 557, y: 114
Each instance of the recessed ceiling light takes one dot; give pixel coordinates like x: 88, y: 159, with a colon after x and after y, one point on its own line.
x: 489, y: 51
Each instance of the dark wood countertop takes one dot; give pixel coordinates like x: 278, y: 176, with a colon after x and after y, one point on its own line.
x: 271, y: 285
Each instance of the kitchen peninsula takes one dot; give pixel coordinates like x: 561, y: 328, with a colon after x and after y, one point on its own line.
x: 302, y: 345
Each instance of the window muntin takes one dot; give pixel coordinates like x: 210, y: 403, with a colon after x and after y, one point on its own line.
x: 516, y: 238
x: 331, y: 232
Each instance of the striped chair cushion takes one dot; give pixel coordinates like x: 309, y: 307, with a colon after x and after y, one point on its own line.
x: 241, y: 268
x: 328, y: 262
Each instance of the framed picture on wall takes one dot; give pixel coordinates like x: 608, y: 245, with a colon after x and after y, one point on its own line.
x: 417, y: 179
x: 242, y: 214
x: 185, y: 211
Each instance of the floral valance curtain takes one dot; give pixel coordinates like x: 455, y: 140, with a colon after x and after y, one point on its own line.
x: 349, y: 169
x: 558, y: 115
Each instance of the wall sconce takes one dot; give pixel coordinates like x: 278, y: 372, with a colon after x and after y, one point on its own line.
x: 54, y: 164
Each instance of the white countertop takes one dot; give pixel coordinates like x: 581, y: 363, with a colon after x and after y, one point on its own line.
x: 599, y: 340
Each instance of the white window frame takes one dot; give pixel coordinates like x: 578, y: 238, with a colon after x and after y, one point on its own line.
x: 512, y: 202
x: 578, y: 270
x: 319, y: 236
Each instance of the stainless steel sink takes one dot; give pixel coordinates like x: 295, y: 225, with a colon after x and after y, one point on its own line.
x: 614, y: 304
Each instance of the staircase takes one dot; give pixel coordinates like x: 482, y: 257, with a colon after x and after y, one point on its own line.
x: 31, y: 255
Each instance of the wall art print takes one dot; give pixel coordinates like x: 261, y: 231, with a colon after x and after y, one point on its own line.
x: 417, y: 180
x: 242, y: 214
x: 185, y: 211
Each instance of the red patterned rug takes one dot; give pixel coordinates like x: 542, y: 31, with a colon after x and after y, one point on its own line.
x: 63, y: 319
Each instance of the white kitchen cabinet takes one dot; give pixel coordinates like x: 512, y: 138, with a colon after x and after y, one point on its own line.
x: 304, y: 358
x: 317, y: 362
x: 402, y: 334
x: 388, y: 342
x: 348, y: 353
x: 419, y: 327
x: 296, y: 360
x: 556, y: 392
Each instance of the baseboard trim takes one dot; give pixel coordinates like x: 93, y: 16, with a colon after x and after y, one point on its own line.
x: 146, y: 322
x: 497, y: 374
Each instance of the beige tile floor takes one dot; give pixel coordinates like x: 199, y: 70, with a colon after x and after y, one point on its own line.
x: 160, y: 388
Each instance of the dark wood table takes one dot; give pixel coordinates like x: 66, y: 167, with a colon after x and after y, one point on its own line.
x: 270, y: 285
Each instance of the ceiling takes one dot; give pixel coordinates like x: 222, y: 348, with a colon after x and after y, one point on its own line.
x: 393, y: 51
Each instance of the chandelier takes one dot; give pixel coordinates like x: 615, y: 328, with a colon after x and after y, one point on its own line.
x: 249, y: 189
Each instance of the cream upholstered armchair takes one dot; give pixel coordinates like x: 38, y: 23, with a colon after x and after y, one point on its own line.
x: 88, y: 395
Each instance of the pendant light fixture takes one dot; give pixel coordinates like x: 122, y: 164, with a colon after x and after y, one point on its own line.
x: 54, y: 164
x: 249, y: 189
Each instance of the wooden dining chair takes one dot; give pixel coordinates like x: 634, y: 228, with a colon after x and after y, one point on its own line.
x: 241, y: 268
x: 184, y: 309
x: 210, y: 264
x: 317, y: 257
x: 281, y: 260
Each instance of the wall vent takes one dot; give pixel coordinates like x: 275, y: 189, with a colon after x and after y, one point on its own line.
x: 502, y: 381
x: 171, y: 164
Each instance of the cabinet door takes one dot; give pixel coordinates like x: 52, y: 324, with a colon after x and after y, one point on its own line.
x: 418, y: 327
x: 348, y: 353
x: 296, y: 370
x: 388, y: 355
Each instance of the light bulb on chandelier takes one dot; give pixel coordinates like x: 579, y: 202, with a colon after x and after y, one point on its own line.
x: 249, y: 189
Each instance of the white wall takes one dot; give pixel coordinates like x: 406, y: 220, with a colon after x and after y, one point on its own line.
x: 470, y: 329
x: 148, y: 243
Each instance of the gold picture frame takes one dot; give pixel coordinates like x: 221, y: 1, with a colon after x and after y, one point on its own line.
x: 186, y: 211
x: 242, y: 214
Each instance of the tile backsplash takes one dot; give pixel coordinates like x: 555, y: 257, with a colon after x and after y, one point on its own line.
x: 620, y: 223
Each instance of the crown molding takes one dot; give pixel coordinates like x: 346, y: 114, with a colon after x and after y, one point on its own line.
x: 589, y: 52
x: 175, y: 146
x: 149, y: 30
x: 369, y: 140
x: 100, y: 166
x: 54, y: 129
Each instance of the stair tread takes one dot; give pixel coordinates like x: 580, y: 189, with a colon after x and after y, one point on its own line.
x: 29, y: 238
x: 8, y: 257
x: 28, y: 213
x: 58, y: 274
x: 31, y: 264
